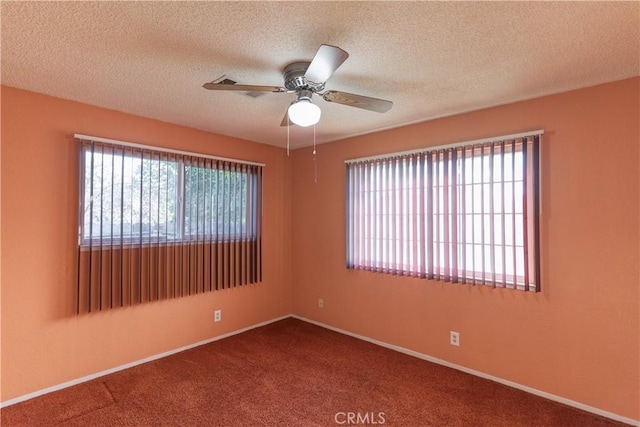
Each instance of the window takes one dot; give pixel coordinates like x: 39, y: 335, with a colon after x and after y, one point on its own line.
x: 466, y: 213
x: 156, y: 224
x: 135, y: 195
x: 129, y: 195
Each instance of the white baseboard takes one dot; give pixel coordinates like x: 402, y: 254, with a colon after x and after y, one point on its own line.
x: 403, y: 350
x: 132, y: 364
x: 534, y: 391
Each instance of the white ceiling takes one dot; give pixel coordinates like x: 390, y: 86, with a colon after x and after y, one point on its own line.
x: 431, y: 59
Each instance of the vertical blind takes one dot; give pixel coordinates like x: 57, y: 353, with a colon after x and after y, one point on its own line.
x: 155, y: 225
x: 461, y: 214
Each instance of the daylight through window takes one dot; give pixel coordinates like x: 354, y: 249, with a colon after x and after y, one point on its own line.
x: 463, y: 213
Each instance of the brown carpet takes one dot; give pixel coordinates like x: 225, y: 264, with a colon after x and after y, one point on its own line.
x: 292, y: 373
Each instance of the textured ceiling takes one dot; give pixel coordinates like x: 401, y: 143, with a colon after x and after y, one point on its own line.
x: 431, y: 59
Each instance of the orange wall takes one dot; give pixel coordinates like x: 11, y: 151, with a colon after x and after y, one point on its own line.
x: 43, y: 343
x: 579, y: 337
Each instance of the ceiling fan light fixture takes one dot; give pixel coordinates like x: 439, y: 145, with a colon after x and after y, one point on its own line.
x: 304, y: 113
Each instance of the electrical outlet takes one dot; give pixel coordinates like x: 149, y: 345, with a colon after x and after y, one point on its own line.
x: 320, y: 303
x: 454, y: 338
x: 217, y: 315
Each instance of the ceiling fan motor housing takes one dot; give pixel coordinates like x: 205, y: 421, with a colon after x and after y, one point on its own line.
x: 294, y: 78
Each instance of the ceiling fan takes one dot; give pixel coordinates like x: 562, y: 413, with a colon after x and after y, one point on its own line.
x: 306, y: 79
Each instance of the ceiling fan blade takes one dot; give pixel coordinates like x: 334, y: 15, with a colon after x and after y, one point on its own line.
x: 244, y: 88
x: 358, y: 101
x: 285, y: 119
x: 325, y: 63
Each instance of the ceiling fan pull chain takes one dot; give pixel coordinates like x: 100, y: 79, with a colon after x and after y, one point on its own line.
x: 288, y: 126
x: 315, y: 157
